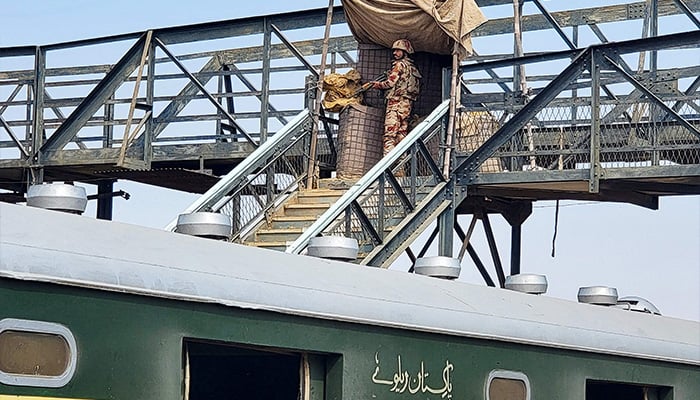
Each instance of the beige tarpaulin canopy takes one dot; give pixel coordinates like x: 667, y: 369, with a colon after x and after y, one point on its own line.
x: 430, y: 25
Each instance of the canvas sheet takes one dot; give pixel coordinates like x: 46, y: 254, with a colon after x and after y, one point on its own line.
x: 431, y: 25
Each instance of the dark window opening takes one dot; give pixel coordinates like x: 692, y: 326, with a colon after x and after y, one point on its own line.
x: 598, y: 390
x: 223, y: 371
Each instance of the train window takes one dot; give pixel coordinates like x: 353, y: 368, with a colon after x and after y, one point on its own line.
x: 214, y: 370
x: 507, y: 385
x: 36, y: 353
x: 602, y: 390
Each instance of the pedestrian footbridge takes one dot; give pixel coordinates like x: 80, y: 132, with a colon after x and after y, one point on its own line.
x: 193, y: 109
x: 555, y: 146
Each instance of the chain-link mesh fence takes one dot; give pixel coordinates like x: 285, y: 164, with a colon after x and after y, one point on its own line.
x: 632, y: 120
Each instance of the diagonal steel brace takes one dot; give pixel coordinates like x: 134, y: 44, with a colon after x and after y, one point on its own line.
x: 651, y: 96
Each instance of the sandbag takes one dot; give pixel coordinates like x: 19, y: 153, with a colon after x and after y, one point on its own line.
x: 473, y: 129
x: 341, y: 90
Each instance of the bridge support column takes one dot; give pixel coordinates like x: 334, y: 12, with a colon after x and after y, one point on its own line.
x: 515, y: 248
x: 446, y: 226
x: 105, y: 200
x: 36, y: 175
x: 517, y: 214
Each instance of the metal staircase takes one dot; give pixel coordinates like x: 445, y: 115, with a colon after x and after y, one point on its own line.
x: 261, y: 184
x: 297, y: 214
x: 284, y: 215
x: 387, y: 200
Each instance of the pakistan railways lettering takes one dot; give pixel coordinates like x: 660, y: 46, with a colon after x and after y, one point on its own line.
x: 402, y: 381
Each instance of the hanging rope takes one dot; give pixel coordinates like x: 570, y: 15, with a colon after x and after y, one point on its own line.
x: 556, y: 224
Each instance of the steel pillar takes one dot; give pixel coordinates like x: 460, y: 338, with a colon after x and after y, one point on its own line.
x: 105, y: 200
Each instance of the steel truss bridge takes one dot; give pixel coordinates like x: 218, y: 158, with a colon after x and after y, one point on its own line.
x: 569, y: 114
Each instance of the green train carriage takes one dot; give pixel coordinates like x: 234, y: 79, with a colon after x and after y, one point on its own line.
x: 100, y: 310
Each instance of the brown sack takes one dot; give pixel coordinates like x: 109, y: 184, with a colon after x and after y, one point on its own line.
x: 341, y: 90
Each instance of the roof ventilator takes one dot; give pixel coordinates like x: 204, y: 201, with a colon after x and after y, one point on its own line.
x: 527, y: 283
x: 333, y: 248
x: 438, y: 267
x: 58, y: 196
x: 205, y: 224
x: 639, y: 304
x: 599, y: 295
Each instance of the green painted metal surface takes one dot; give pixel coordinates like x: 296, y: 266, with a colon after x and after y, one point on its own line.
x: 131, y: 347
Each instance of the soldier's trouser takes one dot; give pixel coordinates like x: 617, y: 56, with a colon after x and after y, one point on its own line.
x: 398, y: 112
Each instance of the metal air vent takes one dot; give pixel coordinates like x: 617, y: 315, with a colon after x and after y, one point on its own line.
x: 527, y: 283
x: 333, y: 247
x: 438, y: 267
x: 58, y: 196
x: 634, y: 303
x: 601, y: 295
x: 205, y: 224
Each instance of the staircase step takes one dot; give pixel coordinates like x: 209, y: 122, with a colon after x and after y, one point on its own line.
x: 319, y: 196
x: 335, y: 184
x: 277, y: 235
x: 305, y: 210
x: 277, y: 246
x: 286, y: 222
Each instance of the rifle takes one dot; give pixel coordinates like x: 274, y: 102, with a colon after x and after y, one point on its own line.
x: 368, y: 85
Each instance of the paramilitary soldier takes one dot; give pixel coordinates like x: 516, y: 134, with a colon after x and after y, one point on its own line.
x: 403, y: 82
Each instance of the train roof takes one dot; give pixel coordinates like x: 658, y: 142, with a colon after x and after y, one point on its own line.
x: 48, y: 246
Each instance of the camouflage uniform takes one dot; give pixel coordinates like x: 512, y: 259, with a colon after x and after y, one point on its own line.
x: 403, y: 83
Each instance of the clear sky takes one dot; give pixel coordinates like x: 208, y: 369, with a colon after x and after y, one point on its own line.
x: 653, y: 254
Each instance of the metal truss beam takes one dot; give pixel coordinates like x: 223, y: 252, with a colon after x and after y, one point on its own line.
x: 14, y: 138
x: 203, y: 90
x: 96, y: 98
x: 470, y: 165
x: 246, y: 26
x: 473, y: 254
x: 409, y: 229
x: 237, y: 72
x: 651, y: 96
x: 578, y: 17
x: 466, y: 171
x: 688, y: 12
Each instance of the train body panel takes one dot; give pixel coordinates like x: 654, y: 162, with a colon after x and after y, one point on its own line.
x: 133, y: 347
x: 156, y: 315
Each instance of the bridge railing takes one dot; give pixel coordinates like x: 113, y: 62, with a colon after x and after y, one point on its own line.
x: 163, y: 94
x: 598, y: 114
x: 243, y: 65
x: 255, y: 187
